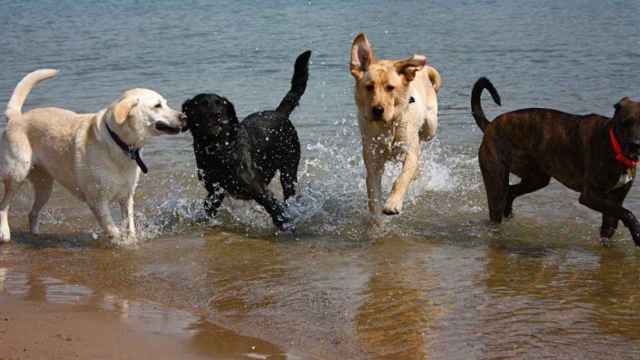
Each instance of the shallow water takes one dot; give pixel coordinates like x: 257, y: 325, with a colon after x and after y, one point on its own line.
x: 437, y: 282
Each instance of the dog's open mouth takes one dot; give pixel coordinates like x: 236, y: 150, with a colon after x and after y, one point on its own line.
x: 166, y: 128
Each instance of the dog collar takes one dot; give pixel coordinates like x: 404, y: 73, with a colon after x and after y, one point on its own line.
x: 133, y: 154
x: 617, y: 150
x: 412, y: 99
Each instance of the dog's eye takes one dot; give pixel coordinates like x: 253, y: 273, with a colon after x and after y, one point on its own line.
x: 158, y: 106
x: 370, y: 87
x: 390, y: 87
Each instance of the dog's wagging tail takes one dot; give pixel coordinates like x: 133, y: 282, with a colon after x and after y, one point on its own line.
x: 24, y: 87
x: 476, y: 106
x: 298, y: 84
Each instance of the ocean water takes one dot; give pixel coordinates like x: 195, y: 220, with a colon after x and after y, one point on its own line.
x: 439, y: 281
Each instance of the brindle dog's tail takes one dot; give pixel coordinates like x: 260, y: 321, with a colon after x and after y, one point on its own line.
x: 476, y: 106
x: 298, y: 84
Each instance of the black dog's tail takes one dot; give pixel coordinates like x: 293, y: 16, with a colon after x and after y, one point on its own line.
x: 298, y: 84
x: 476, y: 106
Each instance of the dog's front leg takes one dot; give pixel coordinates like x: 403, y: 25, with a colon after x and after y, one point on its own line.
x: 214, y: 198
x: 610, y: 208
x: 126, y: 209
x: 374, y: 164
x: 393, y: 205
x: 610, y: 223
x: 102, y: 212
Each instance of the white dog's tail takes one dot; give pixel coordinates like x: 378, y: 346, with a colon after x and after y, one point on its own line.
x: 22, y: 90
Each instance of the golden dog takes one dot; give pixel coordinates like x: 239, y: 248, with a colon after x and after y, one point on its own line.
x: 397, y: 109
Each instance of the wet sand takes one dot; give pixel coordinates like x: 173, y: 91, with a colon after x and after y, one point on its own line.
x: 31, y: 330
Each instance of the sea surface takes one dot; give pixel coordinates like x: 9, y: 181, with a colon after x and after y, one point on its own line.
x: 438, y: 282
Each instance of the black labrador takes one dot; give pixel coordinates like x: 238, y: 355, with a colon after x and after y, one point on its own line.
x: 241, y: 158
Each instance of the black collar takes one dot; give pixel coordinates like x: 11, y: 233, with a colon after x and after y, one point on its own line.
x: 411, y: 100
x: 133, y: 154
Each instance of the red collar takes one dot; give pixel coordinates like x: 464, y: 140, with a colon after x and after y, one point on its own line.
x: 617, y: 150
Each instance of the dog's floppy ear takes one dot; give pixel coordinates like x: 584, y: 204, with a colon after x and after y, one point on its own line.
x: 410, y: 66
x: 361, y: 55
x: 230, y: 110
x: 620, y: 104
x: 122, y: 109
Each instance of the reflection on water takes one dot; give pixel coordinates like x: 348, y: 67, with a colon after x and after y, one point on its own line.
x: 390, y: 297
x: 397, y: 292
x: 203, y: 337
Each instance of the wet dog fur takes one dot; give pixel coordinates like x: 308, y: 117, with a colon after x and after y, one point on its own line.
x: 540, y: 144
x: 241, y: 158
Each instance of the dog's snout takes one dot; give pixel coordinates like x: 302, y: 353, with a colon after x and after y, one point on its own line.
x: 377, y: 111
x: 182, y: 117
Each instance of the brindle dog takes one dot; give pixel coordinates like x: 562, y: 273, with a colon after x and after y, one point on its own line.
x: 591, y: 154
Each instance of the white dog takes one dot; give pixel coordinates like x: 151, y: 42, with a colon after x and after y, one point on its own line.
x: 397, y: 110
x: 94, y: 156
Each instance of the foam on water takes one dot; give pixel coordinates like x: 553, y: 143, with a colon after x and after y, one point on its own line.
x: 331, y: 196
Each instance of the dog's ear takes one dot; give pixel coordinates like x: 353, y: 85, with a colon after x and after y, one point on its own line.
x: 122, y: 109
x: 361, y: 55
x: 410, y: 66
x: 230, y: 110
x: 620, y: 104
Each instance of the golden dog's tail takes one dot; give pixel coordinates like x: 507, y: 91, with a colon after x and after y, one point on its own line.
x: 476, y: 106
x: 298, y: 84
x: 22, y: 90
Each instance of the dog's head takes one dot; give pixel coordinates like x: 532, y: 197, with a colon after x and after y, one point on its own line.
x: 627, y: 126
x: 382, y: 86
x: 143, y: 112
x: 208, y: 115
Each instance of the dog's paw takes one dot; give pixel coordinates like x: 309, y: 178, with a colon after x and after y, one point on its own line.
x: 392, y: 207
x: 288, y: 228
x: 636, y: 237
x: 605, y: 241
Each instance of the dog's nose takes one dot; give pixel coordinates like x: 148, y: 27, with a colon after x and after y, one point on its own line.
x: 377, y: 111
x: 182, y: 117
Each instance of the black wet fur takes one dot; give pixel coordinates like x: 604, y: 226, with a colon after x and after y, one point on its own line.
x: 241, y: 158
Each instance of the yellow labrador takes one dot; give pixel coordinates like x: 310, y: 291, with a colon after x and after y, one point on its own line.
x: 397, y: 109
x: 94, y: 156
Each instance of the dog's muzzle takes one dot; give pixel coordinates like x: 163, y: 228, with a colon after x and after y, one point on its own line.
x: 377, y: 112
x: 167, y: 129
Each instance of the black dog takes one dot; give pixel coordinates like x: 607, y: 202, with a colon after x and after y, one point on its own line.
x: 241, y: 158
x: 591, y: 154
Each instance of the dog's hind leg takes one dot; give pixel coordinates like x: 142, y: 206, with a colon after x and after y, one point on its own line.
x: 11, y: 188
x: 275, y: 208
x: 42, y: 186
x: 15, y: 165
x: 289, y: 177
x: 495, y: 173
x: 532, y: 182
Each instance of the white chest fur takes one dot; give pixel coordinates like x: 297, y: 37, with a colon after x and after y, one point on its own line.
x: 625, y: 178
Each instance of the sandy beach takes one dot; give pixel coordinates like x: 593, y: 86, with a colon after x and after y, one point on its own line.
x: 36, y: 330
